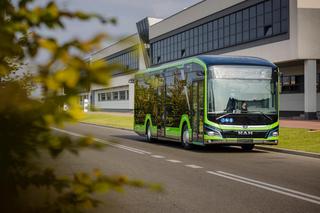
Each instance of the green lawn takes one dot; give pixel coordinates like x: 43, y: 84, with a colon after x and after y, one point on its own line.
x: 290, y: 138
x: 114, y: 120
x: 299, y: 139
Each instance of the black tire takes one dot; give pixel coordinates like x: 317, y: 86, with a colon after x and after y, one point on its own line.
x: 148, y: 133
x: 247, y: 147
x: 185, y: 138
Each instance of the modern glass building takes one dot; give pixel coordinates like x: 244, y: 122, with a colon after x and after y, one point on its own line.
x: 246, y: 24
x: 282, y: 31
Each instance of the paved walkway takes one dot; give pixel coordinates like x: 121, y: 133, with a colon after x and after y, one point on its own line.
x: 300, y: 124
x: 113, y: 113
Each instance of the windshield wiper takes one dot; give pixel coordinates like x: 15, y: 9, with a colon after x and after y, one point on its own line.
x: 222, y: 116
x: 230, y: 113
x: 265, y: 115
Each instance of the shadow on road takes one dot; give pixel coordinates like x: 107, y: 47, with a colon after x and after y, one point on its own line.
x: 201, y: 149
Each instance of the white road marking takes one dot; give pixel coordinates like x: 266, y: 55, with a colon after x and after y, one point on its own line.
x: 194, y: 166
x: 128, y: 147
x: 157, y: 156
x: 269, y: 187
x: 174, y: 161
x: 139, y: 151
x: 67, y: 132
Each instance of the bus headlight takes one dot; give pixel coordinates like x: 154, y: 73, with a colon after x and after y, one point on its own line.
x: 274, y: 133
x: 214, y: 133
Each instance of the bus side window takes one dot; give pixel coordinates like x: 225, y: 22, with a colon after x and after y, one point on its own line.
x: 198, y: 69
x: 139, y: 101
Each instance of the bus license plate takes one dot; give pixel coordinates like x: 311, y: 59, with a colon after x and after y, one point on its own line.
x: 245, y: 140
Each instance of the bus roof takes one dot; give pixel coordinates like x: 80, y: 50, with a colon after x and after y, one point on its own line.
x: 210, y: 60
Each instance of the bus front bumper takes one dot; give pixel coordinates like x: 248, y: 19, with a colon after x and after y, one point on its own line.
x: 235, y: 141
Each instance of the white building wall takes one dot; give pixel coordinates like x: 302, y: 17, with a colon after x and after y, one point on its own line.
x: 292, y: 70
x: 111, y: 104
x: 292, y: 102
x: 308, y: 33
x: 115, y: 81
x: 118, y: 83
x: 308, y: 4
x: 295, y: 102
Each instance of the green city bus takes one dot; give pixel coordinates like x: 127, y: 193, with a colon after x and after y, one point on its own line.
x: 206, y: 99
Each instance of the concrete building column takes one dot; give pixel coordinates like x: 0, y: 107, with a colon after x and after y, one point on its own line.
x: 310, y: 89
x: 131, y: 95
x: 91, y: 95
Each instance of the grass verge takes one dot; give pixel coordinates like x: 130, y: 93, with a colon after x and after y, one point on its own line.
x: 290, y: 138
x: 106, y: 119
x: 299, y: 139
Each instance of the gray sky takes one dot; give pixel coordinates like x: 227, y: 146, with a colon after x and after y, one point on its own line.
x: 127, y: 12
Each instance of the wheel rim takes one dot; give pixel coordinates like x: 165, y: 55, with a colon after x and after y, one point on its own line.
x: 185, y: 137
x: 148, y: 134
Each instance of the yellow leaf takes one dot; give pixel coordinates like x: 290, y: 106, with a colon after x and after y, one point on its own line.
x: 52, y: 84
x: 53, y: 10
x: 48, y: 118
x: 48, y: 44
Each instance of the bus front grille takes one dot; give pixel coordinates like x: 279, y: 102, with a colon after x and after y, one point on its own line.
x: 244, y: 134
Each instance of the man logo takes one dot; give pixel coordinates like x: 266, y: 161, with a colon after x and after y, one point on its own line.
x: 244, y: 132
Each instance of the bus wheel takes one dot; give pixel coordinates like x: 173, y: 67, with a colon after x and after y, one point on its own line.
x: 247, y: 147
x: 185, y: 138
x: 148, y: 133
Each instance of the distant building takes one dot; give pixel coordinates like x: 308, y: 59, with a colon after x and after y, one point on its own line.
x: 285, y: 32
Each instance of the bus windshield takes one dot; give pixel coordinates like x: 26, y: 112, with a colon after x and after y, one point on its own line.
x: 241, y: 89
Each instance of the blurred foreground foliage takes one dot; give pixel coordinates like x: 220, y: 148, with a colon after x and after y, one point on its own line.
x: 25, y: 122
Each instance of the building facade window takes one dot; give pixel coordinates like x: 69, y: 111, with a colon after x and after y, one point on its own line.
x: 259, y: 21
x: 111, y: 96
x: 129, y: 59
x: 292, y: 84
x: 115, y: 96
x: 101, y: 96
x: 122, y: 95
x: 108, y: 96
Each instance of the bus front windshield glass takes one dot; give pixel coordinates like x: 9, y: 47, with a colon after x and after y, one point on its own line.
x: 241, y: 89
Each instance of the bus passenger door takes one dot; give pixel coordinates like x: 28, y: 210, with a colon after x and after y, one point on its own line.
x: 160, y: 108
x: 197, y: 110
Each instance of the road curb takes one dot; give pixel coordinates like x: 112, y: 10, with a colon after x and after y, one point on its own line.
x: 106, y: 126
x: 287, y: 151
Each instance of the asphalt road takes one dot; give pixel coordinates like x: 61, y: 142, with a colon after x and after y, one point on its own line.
x: 210, y: 179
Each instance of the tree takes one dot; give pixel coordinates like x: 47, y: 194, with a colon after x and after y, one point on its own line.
x: 25, y: 122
